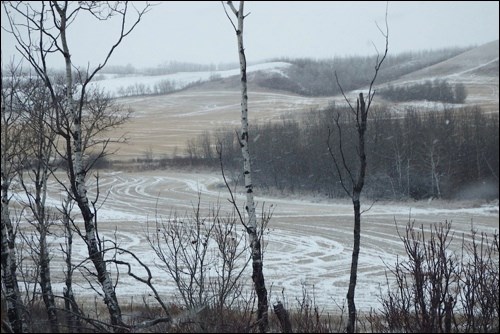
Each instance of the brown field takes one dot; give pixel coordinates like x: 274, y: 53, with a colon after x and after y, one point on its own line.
x: 161, y: 123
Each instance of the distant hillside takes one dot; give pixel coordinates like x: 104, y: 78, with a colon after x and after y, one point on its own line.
x: 138, y: 84
x: 476, y: 68
x: 317, y: 77
x: 304, y: 76
x: 482, y: 60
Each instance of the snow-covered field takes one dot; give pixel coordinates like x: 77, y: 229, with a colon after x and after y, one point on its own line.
x: 308, y: 244
x: 309, y: 240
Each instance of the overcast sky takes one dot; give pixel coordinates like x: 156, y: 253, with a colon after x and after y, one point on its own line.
x: 200, y: 32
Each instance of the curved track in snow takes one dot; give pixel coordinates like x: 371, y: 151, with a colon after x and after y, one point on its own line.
x: 307, y: 244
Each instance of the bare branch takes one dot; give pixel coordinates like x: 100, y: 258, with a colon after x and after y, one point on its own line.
x: 227, y: 14
x: 343, y: 94
x: 379, y: 62
x: 232, y: 200
x: 337, y: 167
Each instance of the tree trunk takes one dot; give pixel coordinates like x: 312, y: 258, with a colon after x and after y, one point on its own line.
x: 41, y: 177
x: 77, y: 175
x: 257, y: 266
x: 10, y: 288
x: 361, y: 113
x: 45, y: 282
x: 351, y: 306
x: 70, y: 305
x: 9, y: 279
x: 361, y: 116
x: 283, y: 317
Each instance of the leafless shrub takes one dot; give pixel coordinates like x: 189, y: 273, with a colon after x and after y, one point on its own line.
x: 205, y: 256
x: 436, y: 290
x: 479, y: 297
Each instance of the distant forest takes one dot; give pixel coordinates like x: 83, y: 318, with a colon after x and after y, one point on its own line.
x: 306, y: 76
x: 311, y: 77
x: 435, y: 90
x: 451, y: 154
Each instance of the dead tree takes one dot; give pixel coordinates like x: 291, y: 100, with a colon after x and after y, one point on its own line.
x: 353, y: 180
x: 46, y: 25
x: 251, y: 224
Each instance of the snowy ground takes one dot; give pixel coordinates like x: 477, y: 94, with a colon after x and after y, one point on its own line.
x: 308, y: 244
x: 309, y: 240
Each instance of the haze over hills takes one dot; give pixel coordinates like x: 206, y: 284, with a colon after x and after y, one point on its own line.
x: 210, y: 100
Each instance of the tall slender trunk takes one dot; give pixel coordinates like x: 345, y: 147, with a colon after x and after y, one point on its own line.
x: 361, y: 116
x: 9, y: 266
x: 361, y: 113
x: 70, y: 305
x: 45, y: 282
x: 41, y: 177
x: 257, y: 266
x: 10, y: 287
x: 77, y: 175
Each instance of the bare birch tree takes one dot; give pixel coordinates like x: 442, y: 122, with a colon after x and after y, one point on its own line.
x: 34, y: 178
x: 251, y: 224
x: 352, y: 177
x: 12, y: 144
x: 41, y: 30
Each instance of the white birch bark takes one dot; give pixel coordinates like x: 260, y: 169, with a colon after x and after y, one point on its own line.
x: 9, y: 279
x: 243, y: 139
x: 77, y: 178
x: 42, y: 141
x: 251, y: 226
x: 10, y: 288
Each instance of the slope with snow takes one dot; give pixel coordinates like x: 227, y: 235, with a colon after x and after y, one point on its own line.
x: 162, y: 124
x: 114, y: 84
x: 477, y: 69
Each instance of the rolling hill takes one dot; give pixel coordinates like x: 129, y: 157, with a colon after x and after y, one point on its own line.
x: 477, y: 69
x: 206, y: 101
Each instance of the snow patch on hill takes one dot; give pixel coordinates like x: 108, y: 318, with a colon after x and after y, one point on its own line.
x: 119, y: 85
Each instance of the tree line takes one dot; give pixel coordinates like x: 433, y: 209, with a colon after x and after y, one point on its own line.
x: 431, y: 90
x: 412, y: 155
